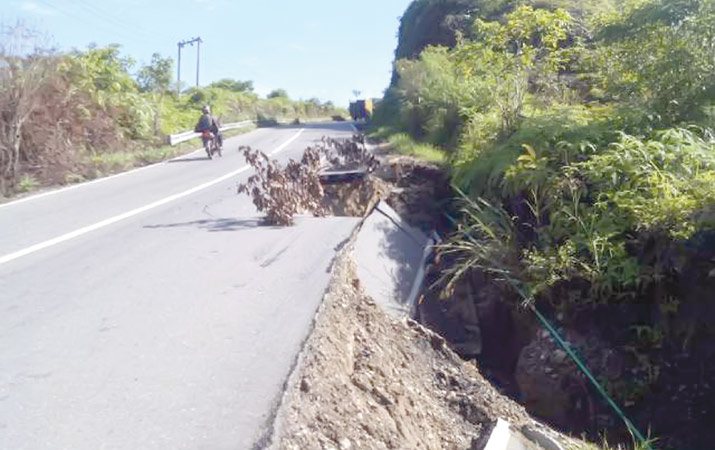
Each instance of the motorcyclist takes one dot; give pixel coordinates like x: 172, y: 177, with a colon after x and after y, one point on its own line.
x: 208, y: 122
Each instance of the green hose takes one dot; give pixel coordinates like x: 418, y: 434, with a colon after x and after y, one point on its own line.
x: 528, y: 300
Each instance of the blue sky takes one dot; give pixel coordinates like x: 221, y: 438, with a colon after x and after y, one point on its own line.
x: 311, y: 48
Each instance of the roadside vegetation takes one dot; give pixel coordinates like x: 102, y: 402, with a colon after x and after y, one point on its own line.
x: 405, y: 144
x: 581, y: 134
x: 66, y: 117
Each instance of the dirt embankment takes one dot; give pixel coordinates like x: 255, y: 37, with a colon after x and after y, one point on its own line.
x: 367, y: 381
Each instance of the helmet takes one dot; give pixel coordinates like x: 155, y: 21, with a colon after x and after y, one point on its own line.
x: 206, y: 109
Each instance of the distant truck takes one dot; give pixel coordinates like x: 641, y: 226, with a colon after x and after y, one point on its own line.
x: 361, y: 109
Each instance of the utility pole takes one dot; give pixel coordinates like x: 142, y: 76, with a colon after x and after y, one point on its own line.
x: 181, y: 45
x: 178, y: 72
x: 198, y: 53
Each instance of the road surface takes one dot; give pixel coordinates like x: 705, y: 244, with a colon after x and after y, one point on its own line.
x: 151, y: 310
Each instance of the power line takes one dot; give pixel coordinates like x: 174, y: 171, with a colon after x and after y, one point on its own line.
x: 97, y: 12
x: 74, y: 17
x: 117, y: 29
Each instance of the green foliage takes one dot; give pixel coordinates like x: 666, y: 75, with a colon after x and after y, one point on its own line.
x: 432, y: 91
x: 650, y: 444
x: 230, y: 105
x: 441, y: 22
x: 523, y: 54
x: 485, y: 240
x: 156, y: 76
x: 587, y: 201
x: 662, y: 56
x: 100, y: 71
x: 176, y: 116
x: 278, y: 93
x: 83, y: 112
x: 659, y: 183
x: 104, y: 75
x: 233, y: 85
x: 582, y: 137
x: 483, y: 159
x: 402, y: 143
x: 444, y: 92
x: 431, y: 22
x: 27, y: 183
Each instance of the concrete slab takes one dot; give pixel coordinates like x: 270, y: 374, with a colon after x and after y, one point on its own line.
x: 389, y: 255
x: 505, y: 437
x: 341, y: 176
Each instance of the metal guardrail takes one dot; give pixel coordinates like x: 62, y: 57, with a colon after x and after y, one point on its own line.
x: 189, y: 135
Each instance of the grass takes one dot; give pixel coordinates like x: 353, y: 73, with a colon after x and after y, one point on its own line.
x: 403, y: 144
x: 604, y: 445
x: 380, y: 133
x: 27, y: 183
x: 99, y: 165
x: 113, y: 162
x: 102, y: 164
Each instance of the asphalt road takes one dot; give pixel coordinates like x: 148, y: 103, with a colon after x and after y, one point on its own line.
x: 151, y: 310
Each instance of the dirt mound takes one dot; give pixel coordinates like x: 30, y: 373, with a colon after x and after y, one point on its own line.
x: 421, y: 191
x: 354, y: 198
x: 366, y: 381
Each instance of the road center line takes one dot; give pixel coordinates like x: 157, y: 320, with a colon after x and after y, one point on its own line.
x: 112, y: 220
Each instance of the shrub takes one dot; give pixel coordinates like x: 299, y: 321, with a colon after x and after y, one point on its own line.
x: 282, y: 192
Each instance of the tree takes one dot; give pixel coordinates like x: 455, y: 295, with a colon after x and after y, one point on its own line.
x: 663, y: 56
x: 527, y: 50
x: 157, y: 75
x: 104, y: 75
x: 233, y: 85
x: 442, y: 22
x: 433, y: 91
x: 22, y: 80
x: 101, y: 70
x: 278, y: 93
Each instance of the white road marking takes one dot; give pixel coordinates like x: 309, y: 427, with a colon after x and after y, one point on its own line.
x: 112, y: 220
x: 78, y: 185
x: 98, y: 180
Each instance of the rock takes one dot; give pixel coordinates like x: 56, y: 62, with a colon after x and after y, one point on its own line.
x: 560, y: 356
x: 304, y: 385
x: 402, y: 389
x: 469, y: 348
x: 549, y: 391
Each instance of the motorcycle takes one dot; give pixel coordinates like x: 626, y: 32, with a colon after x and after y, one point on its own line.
x: 210, y: 144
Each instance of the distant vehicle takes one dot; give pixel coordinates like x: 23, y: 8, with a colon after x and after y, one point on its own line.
x: 361, y: 109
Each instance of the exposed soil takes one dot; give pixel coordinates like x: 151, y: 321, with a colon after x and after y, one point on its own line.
x: 483, y: 323
x: 367, y: 381
x: 418, y: 191
x: 667, y: 390
x: 421, y: 192
x: 355, y: 198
